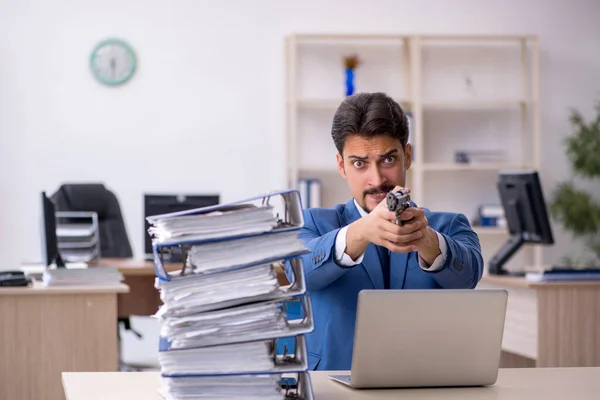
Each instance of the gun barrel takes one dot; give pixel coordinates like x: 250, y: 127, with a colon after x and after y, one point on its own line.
x: 397, y: 200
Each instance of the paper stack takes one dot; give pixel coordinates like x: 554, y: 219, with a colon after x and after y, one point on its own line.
x: 81, y: 276
x: 224, y: 313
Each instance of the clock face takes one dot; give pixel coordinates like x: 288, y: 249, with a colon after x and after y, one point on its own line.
x: 113, y: 62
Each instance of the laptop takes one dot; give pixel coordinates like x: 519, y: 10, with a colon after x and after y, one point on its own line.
x: 427, y: 338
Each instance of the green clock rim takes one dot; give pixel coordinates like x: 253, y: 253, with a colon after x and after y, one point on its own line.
x: 127, y: 48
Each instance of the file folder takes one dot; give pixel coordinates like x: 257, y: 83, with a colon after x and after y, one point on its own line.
x: 225, y: 311
x: 184, y: 303
x: 284, y: 206
x: 255, y: 357
x: 255, y: 321
x: 277, y: 386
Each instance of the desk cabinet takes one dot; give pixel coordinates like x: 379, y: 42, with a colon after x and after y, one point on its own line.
x: 46, y: 331
x: 549, y: 324
x: 143, y: 298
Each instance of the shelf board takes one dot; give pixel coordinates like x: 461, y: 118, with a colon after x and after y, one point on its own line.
x: 334, y: 37
x: 483, y: 104
x: 318, y: 170
x: 324, y: 170
x: 451, y: 167
x: 474, y: 38
x: 331, y: 104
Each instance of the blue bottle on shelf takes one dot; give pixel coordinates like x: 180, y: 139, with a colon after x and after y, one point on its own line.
x: 349, y: 81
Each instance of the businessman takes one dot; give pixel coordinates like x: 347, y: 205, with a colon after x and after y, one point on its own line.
x: 359, y: 245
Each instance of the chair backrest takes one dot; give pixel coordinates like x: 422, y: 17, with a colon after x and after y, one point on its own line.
x: 114, y: 240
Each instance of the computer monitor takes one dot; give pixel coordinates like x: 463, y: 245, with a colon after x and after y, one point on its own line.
x: 155, y: 204
x: 526, y: 216
x: 50, y: 253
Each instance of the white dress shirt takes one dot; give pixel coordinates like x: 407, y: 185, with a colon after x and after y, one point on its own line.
x: 344, y: 259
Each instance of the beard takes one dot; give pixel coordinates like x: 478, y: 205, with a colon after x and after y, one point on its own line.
x: 383, y: 188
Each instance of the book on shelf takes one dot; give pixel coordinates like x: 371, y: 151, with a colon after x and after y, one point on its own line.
x: 225, y: 310
x: 310, y: 192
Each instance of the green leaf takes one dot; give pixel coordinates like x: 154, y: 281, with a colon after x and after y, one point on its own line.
x: 583, y: 147
x: 575, y: 209
x: 594, y: 245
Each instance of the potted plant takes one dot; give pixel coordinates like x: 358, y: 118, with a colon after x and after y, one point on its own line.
x: 576, y: 209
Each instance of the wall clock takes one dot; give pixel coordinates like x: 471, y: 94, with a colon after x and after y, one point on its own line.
x: 113, y: 62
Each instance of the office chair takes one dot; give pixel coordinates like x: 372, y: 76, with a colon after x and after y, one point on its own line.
x: 114, y: 241
x: 94, y: 197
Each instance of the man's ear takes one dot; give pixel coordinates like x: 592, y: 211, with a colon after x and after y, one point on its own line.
x: 407, y: 156
x: 340, y: 165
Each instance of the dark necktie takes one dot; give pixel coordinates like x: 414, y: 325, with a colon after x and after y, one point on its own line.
x: 384, y: 258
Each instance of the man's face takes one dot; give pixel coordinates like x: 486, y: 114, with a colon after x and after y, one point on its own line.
x: 373, y: 167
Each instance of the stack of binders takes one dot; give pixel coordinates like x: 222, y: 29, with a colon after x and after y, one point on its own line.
x: 225, y: 311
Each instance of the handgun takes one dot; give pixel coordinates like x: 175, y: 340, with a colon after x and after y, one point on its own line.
x: 397, y: 202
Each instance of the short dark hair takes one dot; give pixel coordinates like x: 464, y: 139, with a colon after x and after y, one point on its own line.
x: 369, y: 115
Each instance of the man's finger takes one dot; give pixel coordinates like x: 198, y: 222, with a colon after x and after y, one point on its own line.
x: 404, y: 239
x: 401, y: 188
x: 411, y: 212
x: 400, y: 248
x: 406, y: 228
x: 413, y: 225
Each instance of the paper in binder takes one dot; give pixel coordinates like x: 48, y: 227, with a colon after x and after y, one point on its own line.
x: 254, y: 321
x: 233, y: 358
x: 195, y: 293
x: 213, y: 224
x: 249, y: 387
x: 214, y: 256
x: 225, y: 310
x: 276, y: 211
x: 223, y: 238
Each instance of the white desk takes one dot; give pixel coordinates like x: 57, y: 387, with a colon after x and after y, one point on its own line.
x: 45, y: 331
x: 513, y: 384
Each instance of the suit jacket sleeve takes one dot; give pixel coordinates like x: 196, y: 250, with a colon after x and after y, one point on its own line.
x: 319, y: 265
x: 463, y: 266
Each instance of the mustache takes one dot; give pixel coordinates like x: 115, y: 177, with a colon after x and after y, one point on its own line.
x: 382, y: 188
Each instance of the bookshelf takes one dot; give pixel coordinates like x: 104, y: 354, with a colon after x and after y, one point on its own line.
x: 465, y: 93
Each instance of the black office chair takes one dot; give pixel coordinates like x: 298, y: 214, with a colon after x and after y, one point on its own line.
x: 114, y: 241
x: 94, y: 197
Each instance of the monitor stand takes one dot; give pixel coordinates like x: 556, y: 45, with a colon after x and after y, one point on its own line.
x: 504, y: 254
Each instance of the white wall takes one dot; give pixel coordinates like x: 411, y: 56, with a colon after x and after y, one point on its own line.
x: 205, y: 111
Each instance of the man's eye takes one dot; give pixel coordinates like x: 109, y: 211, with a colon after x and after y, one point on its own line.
x: 358, y: 164
x: 389, y: 160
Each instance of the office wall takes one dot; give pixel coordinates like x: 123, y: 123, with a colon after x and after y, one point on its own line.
x: 205, y: 111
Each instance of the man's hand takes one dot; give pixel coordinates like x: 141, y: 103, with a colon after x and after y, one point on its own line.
x: 380, y: 228
x: 426, y: 243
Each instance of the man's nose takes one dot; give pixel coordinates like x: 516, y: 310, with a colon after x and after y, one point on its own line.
x: 376, y: 178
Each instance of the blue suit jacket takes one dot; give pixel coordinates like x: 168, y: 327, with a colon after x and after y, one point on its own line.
x: 334, y: 289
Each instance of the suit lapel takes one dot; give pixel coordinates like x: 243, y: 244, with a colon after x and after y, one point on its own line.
x: 371, y: 262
